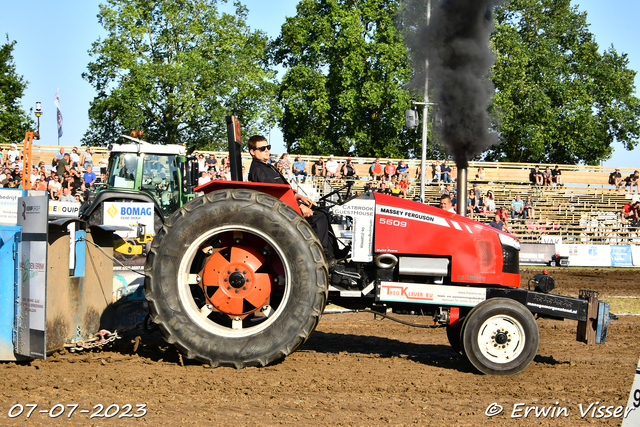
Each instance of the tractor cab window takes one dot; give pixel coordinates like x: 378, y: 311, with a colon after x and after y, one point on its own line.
x: 160, y: 176
x: 122, y: 170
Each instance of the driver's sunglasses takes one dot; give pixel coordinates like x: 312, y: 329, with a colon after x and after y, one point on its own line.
x: 264, y: 147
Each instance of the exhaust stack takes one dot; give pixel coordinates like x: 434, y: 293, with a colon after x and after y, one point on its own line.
x: 462, y: 191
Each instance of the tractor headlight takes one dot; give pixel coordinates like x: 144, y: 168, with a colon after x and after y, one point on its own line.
x: 510, y: 254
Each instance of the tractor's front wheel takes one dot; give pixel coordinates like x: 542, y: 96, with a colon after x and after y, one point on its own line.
x: 236, y: 278
x: 500, y: 336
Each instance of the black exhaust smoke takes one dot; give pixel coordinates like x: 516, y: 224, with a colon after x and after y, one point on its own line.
x: 457, y: 47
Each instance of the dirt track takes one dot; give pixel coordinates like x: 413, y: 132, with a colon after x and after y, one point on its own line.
x: 353, y: 371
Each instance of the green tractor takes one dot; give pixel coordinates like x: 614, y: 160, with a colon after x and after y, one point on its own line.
x: 141, y: 172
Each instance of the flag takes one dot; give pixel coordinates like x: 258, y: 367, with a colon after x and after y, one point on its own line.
x: 57, y: 103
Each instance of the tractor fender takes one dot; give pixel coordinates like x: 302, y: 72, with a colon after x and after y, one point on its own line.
x: 282, y: 192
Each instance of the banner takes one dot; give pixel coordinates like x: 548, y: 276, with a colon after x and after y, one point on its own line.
x: 57, y: 104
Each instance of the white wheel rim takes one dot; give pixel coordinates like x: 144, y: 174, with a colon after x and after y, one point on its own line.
x: 198, y: 315
x: 501, y: 339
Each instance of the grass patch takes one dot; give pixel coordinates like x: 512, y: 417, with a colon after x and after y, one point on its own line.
x: 623, y: 305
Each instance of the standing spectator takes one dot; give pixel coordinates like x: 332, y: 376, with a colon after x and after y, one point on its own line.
x: 86, y: 159
x: 375, y: 170
x: 546, y: 177
x: 480, y: 174
x: 332, y: 168
x: 318, y: 168
x: 402, y: 169
x: 202, y: 164
x: 632, y: 180
x: 349, y: 170
x: 103, y: 162
x: 74, y: 157
x: 389, y: 170
x: 556, y: 176
x: 299, y: 168
x: 13, y: 155
x: 529, y: 207
x: 89, y: 177
x: 63, y: 164
x: 517, y: 208
x: 615, y: 178
x: 536, y: 176
x: 286, y: 166
x: 446, y: 171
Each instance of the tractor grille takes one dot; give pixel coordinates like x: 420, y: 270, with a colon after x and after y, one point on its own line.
x: 510, y: 260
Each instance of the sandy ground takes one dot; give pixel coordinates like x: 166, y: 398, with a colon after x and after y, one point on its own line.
x: 354, y: 370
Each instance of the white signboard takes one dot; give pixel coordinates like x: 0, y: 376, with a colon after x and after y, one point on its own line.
x: 129, y: 215
x: 32, y: 217
x: 63, y: 209
x: 9, y: 206
x: 432, y: 294
x: 586, y: 255
x: 362, y: 212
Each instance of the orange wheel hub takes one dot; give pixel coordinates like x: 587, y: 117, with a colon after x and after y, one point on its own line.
x: 231, y: 282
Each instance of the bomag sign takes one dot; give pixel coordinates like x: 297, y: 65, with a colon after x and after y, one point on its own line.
x: 129, y: 215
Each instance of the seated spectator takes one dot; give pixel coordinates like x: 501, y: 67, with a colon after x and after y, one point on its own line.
x: 446, y: 171
x: 89, y: 177
x: 615, y: 178
x: 396, y: 190
x: 383, y: 189
x: 332, y: 169
x: 498, y: 224
x: 204, y: 178
x: 210, y: 162
x: 517, y: 208
x: 454, y: 173
x: 556, y: 176
x: 66, y: 195
x: 54, y: 186
x: 529, y: 207
x: 418, y: 173
x: 318, y: 168
x: 447, y: 190
x: 74, y: 157
x: 536, y: 176
x: 480, y: 174
x: 446, y: 203
x: 299, y: 167
x: 628, y: 212
x: 389, y: 170
x: 40, y: 185
x: 404, y: 185
x: 348, y: 170
x: 13, y: 155
x: 437, y: 173
x: 472, y: 204
x: 546, y: 177
x: 632, y: 180
x: 284, y: 165
x: 375, y: 170
x: 402, y: 169
x: 86, y: 159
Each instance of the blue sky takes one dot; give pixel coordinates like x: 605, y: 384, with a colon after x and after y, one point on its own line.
x: 53, y: 39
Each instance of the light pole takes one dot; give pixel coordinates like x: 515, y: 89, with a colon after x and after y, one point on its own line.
x: 38, y: 114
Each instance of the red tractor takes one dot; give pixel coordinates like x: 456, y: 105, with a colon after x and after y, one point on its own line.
x: 238, y: 278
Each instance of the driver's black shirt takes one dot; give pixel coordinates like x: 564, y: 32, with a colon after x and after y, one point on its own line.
x: 262, y: 172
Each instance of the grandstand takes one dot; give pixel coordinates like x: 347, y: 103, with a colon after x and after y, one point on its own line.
x: 585, y: 210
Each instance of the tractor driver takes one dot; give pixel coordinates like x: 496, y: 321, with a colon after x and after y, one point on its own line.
x: 260, y: 171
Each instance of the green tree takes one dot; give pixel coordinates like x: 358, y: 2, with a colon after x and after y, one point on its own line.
x: 558, y: 99
x: 14, y: 121
x: 343, y: 91
x: 174, y: 69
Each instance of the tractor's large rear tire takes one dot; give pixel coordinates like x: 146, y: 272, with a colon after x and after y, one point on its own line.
x: 500, y: 336
x: 236, y: 278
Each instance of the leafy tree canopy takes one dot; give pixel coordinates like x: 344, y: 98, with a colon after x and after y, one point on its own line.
x: 14, y: 121
x: 174, y: 69
x: 344, y: 87
x: 558, y: 99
